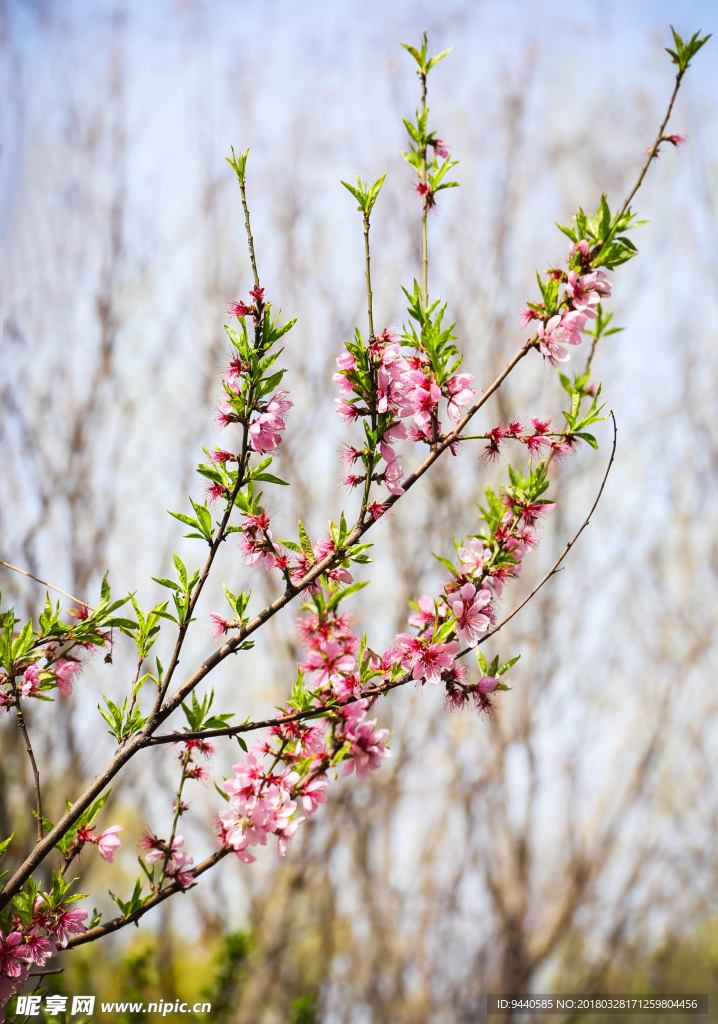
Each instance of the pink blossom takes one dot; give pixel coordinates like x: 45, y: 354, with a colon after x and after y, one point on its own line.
x: 349, y: 454
x: 426, y: 613
x: 470, y: 621
x: 460, y: 394
x: 346, y: 411
x: 248, y: 777
x: 264, y: 432
x: 156, y: 847
x: 346, y: 361
x: 239, y: 309
x: 328, y: 663
x: 367, y: 748
x: 475, y: 557
x: 224, y: 415
x: 313, y: 794
x: 405, y: 649
x: 586, y: 291
x: 440, y: 147
x: 14, y: 955
x: 6, y: 702
x: 69, y: 922
x: 213, y: 491
x: 376, y: 510
x: 31, y: 685
x: 558, y: 332
x: 432, y: 659
x: 526, y: 315
x: 39, y: 949
x: 581, y: 248
x: 487, y: 685
x: 219, y: 456
x: 108, y: 842
x: 351, y: 480
x: 255, y: 541
x: 392, y: 475
x: 64, y: 669
x: 248, y: 821
x: 220, y: 625
x: 423, y: 398
x: 177, y: 868
x: 203, y: 747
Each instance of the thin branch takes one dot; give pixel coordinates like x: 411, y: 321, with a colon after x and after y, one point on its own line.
x: 654, y: 150
x: 568, y: 547
x: 121, y: 922
x: 46, y: 584
x: 424, y: 208
x: 31, y: 755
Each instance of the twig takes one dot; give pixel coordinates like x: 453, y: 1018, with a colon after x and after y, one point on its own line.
x: 46, y: 584
x: 33, y: 762
x: 120, y: 922
x: 568, y: 547
x: 654, y: 150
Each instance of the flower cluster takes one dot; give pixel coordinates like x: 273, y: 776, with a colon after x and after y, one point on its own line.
x: 175, y: 862
x: 400, y: 391
x: 561, y: 321
x: 40, y: 923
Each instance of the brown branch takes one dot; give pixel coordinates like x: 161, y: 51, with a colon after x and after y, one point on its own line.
x: 33, y: 762
x: 120, y: 922
x: 654, y: 149
x: 46, y: 584
x: 568, y: 547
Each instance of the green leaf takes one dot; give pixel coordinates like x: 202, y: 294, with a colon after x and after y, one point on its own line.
x: 270, y: 479
x: 446, y: 563
x: 5, y: 843
x: 589, y: 438
x: 225, y: 796
x: 187, y: 520
x: 509, y: 664
x: 353, y: 588
x: 238, y: 163
x: 440, y: 56
x: 305, y: 541
x: 166, y: 583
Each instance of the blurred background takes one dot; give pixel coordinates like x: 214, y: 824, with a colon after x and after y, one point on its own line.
x: 569, y: 842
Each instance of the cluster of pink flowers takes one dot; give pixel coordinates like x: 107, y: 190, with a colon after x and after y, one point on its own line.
x: 108, y: 842
x: 262, y: 804
x: 536, y: 441
x: 331, y: 654
x: 267, y: 417
x: 26, y: 945
x: 265, y: 431
x: 60, y: 670
x: 259, y: 806
x: 258, y: 548
x: 255, y: 541
x: 178, y: 862
x: 584, y: 289
x: 406, y: 389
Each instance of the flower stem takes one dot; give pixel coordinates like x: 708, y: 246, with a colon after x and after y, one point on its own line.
x: 424, y: 208
x: 178, y: 807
